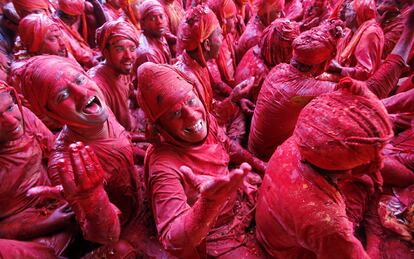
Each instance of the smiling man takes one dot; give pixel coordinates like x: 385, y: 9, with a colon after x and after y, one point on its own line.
x: 61, y: 90
x: 117, y: 41
x: 153, y: 45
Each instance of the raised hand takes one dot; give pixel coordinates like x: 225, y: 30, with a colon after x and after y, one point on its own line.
x: 84, y: 172
x: 217, y: 188
x: 242, y: 89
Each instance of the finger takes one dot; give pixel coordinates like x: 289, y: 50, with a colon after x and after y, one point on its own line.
x: 246, y: 167
x: 66, y: 176
x: 99, y: 172
x: 189, y: 175
x: 50, y: 192
x: 77, y: 164
x: 236, y: 177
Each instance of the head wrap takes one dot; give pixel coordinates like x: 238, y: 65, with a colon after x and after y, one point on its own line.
x: 148, y: 6
x: 276, y: 41
x: 34, y: 24
x: 30, y: 5
x: 341, y: 131
x: 199, y: 23
x: 318, y: 44
x: 365, y: 10
x: 223, y: 9
x: 263, y: 7
x: 38, y: 79
x: 115, y: 29
x: 72, y: 7
x: 160, y: 87
x: 5, y: 88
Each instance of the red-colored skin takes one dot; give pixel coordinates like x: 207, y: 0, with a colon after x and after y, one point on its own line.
x: 113, y: 78
x: 41, y: 222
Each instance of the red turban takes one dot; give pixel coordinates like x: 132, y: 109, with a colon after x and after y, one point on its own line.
x: 35, y: 24
x: 72, y: 7
x: 115, y: 29
x: 341, y: 131
x: 223, y: 9
x: 30, y: 5
x: 160, y: 87
x: 148, y: 6
x: 38, y: 80
x: 199, y: 23
x: 276, y: 41
x: 263, y: 7
x: 318, y: 44
x: 365, y: 10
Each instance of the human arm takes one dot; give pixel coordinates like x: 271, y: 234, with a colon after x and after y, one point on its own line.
x: 82, y: 180
x: 182, y: 228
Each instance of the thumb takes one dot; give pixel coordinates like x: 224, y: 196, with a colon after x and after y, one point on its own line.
x: 189, y: 175
x: 246, y: 167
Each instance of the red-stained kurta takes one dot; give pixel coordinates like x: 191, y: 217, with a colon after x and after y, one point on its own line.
x: 250, y: 37
x: 153, y: 50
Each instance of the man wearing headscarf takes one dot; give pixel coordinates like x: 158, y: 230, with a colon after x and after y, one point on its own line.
x: 266, y: 13
x: 359, y: 52
x: 33, y: 226
x: 71, y: 15
x: 117, y: 41
x: 314, y: 13
x: 131, y: 12
x: 153, y: 45
x: 193, y: 221
x: 318, y: 183
x: 113, y: 9
x: 200, y: 38
x: 8, y: 33
x: 26, y: 7
x: 175, y: 12
x: 110, y: 211
x: 275, y: 47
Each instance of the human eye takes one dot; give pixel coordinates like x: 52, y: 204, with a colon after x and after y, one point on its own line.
x: 10, y: 108
x: 192, y: 101
x: 63, y: 95
x: 176, y: 114
x: 80, y: 80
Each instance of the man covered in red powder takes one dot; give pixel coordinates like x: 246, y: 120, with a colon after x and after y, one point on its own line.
x: 110, y: 211
x: 359, y: 52
x: 199, y: 207
x: 318, y: 183
x: 113, y: 10
x: 70, y: 16
x: 153, y: 45
x: 175, y: 12
x: 32, y: 227
x: 266, y: 12
x: 117, y: 41
x: 289, y: 87
x: 275, y: 47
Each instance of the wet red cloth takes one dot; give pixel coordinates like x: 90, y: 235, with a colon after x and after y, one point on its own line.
x: 112, y: 13
x: 72, y: 7
x: 284, y: 93
x: 35, y: 24
x: 332, y: 205
x: 22, y: 166
x: 116, y: 89
x: 30, y: 6
x: 250, y: 37
x: 293, y: 10
x: 152, y: 50
x: 175, y: 12
x: 77, y: 45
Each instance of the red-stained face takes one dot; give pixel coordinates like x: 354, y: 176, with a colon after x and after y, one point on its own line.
x: 212, y: 45
x: 76, y: 100
x: 54, y: 43
x: 11, y: 123
x: 155, y: 23
x: 186, y: 121
x: 121, y: 54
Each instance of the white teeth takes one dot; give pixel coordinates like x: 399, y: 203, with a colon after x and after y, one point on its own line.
x: 195, y: 128
x: 90, y: 100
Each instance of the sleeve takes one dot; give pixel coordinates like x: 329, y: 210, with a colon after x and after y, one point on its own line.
x: 367, y: 54
x: 386, y: 77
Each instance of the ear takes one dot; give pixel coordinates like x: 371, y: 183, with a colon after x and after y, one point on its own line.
x: 206, y: 45
x: 105, y: 53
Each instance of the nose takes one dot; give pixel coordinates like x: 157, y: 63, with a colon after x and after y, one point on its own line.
x: 129, y: 54
x: 8, y: 119
x: 61, y: 41
x: 189, y: 113
x: 80, y: 94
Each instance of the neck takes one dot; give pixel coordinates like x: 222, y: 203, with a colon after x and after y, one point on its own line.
x: 194, y: 54
x: 98, y: 132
